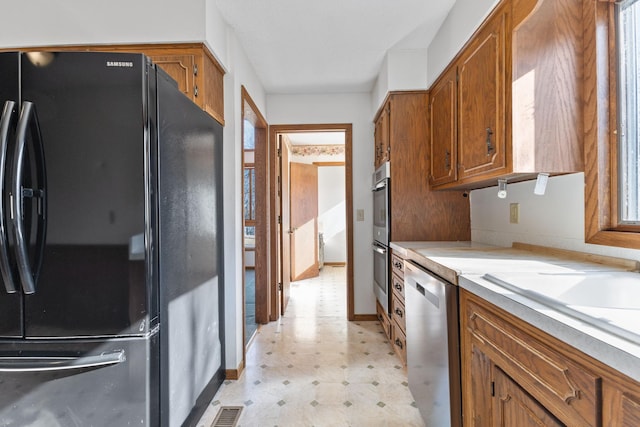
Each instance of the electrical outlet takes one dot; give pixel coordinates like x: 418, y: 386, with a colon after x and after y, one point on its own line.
x: 360, y: 215
x: 514, y: 213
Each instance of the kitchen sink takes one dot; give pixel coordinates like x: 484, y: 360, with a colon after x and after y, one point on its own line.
x: 606, y: 300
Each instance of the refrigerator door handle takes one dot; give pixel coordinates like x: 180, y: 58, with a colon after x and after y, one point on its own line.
x: 43, y: 364
x: 28, y: 118
x: 8, y: 112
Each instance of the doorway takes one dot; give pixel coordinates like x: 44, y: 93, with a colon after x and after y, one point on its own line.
x: 255, y: 236
x: 302, y: 157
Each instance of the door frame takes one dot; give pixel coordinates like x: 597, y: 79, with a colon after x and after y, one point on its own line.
x: 274, y: 131
x: 251, y: 113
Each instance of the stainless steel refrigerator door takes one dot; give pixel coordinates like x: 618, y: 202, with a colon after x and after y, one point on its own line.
x: 80, y: 383
x: 10, y: 298
x: 191, y: 275
x: 94, y: 113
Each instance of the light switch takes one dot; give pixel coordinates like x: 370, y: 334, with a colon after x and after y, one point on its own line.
x: 360, y: 215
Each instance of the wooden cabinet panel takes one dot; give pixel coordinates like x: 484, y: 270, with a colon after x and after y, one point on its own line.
x: 400, y: 343
x: 397, y: 265
x: 213, y: 85
x: 476, y: 384
x: 383, y: 318
x: 442, y: 115
x: 180, y: 68
x: 417, y: 213
x: 398, y: 286
x: 519, y: 101
x: 381, y: 137
x: 397, y: 313
x: 621, y: 403
x: 516, y: 375
x: 563, y: 386
x: 515, y: 407
x: 481, y: 101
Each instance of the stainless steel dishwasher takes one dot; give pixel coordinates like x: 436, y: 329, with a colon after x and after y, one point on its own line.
x: 433, y: 353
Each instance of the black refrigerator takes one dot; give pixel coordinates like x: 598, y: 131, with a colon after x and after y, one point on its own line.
x: 111, y: 301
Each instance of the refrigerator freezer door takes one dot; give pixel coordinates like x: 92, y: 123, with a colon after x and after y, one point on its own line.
x: 93, y: 111
x: 80, y: 383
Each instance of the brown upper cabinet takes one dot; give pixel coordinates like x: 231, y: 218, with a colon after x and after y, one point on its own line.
x: 197, y: 73
x: 509, y: 105
x: 417, y: 213
x: 381, y: 135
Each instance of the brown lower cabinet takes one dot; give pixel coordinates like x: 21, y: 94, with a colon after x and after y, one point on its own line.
x: 513, y: 374
x: 394, y: 325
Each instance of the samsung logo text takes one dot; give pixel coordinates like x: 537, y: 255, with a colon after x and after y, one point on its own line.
x: 121, y: 64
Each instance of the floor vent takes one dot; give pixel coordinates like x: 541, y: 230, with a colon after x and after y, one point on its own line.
x: 227, y: 416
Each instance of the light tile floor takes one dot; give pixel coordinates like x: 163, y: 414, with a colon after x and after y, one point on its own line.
x: 314, y: 368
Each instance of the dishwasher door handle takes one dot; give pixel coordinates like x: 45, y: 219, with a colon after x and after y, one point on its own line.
x: 429, y: 296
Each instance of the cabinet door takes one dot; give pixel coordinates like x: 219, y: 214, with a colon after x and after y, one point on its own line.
x: 385, y: 119
x: 213, y: 82
x: 378, y: 142
x: 481, y: 101
x: 621, y: 404
x: 181, y: 69
x: 515, y: 407
x: 442, y: 112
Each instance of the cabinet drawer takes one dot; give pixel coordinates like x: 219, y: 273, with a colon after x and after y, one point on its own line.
x: 567, y: 389
x: 397, y: 265
x: 398, y: 287
x: 384, y: 320
x: 397, y: 313
x: 399, y: 341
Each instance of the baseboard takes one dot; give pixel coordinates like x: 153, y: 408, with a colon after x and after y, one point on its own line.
x: 365, y: 317
x: 335, y: 264
x: 234, y: 374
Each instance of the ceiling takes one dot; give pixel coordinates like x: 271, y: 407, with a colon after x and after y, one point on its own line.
x: 329, y: 46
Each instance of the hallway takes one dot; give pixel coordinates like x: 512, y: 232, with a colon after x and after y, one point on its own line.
x: 314, y: 368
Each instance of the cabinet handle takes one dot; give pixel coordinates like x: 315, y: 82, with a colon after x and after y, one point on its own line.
x: 398, y: 265
x: 489, y: 146
x: 447, y: 160
x: 398, y: 342
x: 195, y: 90
x: 398, y: 312
x: 398, y: 286
x: 195, y: 69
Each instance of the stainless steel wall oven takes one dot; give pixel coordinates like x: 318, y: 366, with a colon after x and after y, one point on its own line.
x: 381, y: 235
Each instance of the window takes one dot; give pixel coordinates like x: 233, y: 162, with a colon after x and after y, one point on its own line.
x: 611, y: 95
x: 628, y: 79
x: 249, y: 199
x: 249, y: 136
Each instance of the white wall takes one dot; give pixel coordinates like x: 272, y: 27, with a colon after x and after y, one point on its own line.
x: 331, y: 204
x: 462, y: 21
x: 241, y: 73
x: 354, y: 108
x: 331, y: 212
x: 42, y: 22
x: 555, y: 219
x: 402, y: 69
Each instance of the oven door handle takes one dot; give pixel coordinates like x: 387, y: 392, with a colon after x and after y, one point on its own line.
x: 380, y: 250
x: 379, y: 186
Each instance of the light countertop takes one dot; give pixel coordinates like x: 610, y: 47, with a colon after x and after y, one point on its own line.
x: 574, y: 297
